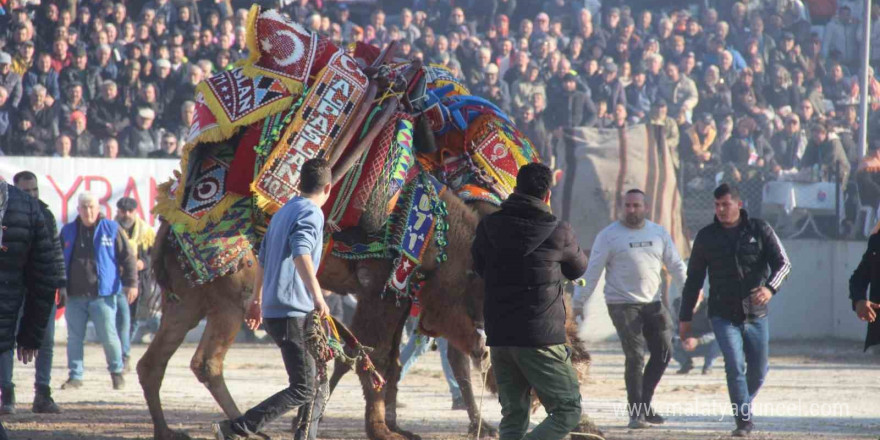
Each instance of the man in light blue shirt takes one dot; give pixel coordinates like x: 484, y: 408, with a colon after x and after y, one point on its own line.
x: 286, y: 289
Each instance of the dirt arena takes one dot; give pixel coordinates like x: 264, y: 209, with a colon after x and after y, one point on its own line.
x: 815, y: 390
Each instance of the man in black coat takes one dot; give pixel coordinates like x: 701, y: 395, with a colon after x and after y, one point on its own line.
x: 26, y: 181
x: 747, y: 264
x: 525, y: 254
x: 572, y: 108
x: 28, y: 272
x: 864, y: 304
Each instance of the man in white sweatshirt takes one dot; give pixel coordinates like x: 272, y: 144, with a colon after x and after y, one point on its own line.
x: 634, y: 251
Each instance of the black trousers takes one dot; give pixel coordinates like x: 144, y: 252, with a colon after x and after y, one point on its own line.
x: 289, y: 335
x: 636, y: 324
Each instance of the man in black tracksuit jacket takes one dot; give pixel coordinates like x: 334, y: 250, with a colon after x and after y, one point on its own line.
x: 747, y: 264
x: 525, y: 255
x: 864, y: 304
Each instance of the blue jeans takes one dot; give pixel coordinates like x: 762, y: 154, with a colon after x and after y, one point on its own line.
x: 746, y: 349
x: 123, y: 323
x: 140, y: 328
x: 44, y: 357
x: 708, y: 352
x: 418, y: 345
x: 102, y: 312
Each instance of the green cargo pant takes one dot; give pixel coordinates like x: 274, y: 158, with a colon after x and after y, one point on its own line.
x: 546, y: 369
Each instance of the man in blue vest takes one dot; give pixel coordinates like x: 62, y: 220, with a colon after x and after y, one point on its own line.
x: 99, y: 262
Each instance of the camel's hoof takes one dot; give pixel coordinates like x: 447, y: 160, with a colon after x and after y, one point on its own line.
x: 486, y: 431
x: 406, y: 434
x: 173, y: 435
x: 586, y: 426
x: 387, y: 434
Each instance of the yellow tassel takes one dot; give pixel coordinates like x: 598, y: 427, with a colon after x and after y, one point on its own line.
x: 251, y: 34
x: 174, y: 215
x: 264, y: 203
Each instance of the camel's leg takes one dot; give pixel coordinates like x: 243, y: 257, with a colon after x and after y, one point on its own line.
x: 177, y: 319
x: 461, y: 368
x: 339, y: 370
x: 370, y: 324
x: 393, y: 372
x: 223, y: 323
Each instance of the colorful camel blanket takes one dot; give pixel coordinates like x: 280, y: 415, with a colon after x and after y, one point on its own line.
x: 377, y: 180
x: 292, y: 100
x: 324, y: 116
x: 419, y: 217
x: 231, y: 99
x: 218, y: 249
x: 481, y: 162
x: 283, y: 49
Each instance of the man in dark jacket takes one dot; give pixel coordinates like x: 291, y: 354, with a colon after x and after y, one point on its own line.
x: 79, y: 72
x: 28, y: 272
x: 525, y: 254
x: 572, y: 108
x: 701, y: 343
x: 864, y: 304
x: 26, y: 181
x: 108, y: 117
x: 43, y: 74
x: 747, y: 264
x: 827, y: 153
x: 140, y: 238
x: 139, y: 139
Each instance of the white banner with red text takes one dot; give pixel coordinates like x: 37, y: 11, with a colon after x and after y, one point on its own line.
x: 61, y: 180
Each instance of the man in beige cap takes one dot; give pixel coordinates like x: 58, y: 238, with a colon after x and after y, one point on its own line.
x: 10, y: 80
x: 140, y: 139
x: 493, y: 88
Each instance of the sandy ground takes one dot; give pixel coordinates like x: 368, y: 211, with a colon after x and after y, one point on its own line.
x: 815, y: 390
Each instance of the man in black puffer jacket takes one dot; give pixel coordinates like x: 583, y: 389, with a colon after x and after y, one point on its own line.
x: 28, y: 273
x: 525, y: 255
x: 747, y: 264
x: 26, y: 181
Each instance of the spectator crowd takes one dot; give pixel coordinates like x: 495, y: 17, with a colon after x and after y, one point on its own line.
x: 751, y: 90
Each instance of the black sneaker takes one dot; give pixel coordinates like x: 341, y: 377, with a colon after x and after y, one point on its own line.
x: 223, y: 431
x: 43, y: 402
x: 654, y: 418
x: 707, y: 370
x: 118, y: 381
x: 685, y: 369
x: 638, y: 422
x: 7, y: 400
x: 743, y: 429
x: 72, y: 384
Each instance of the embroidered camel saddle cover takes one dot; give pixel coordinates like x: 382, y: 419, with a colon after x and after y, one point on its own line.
x: 396, y: 133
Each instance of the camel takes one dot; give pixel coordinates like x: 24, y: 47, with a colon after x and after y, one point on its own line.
x: 451, y: 300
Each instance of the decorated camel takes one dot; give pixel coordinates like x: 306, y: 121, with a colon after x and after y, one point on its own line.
x: 416, y: 161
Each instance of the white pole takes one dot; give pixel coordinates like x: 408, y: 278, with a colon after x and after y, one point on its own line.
x: 863, y: 91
